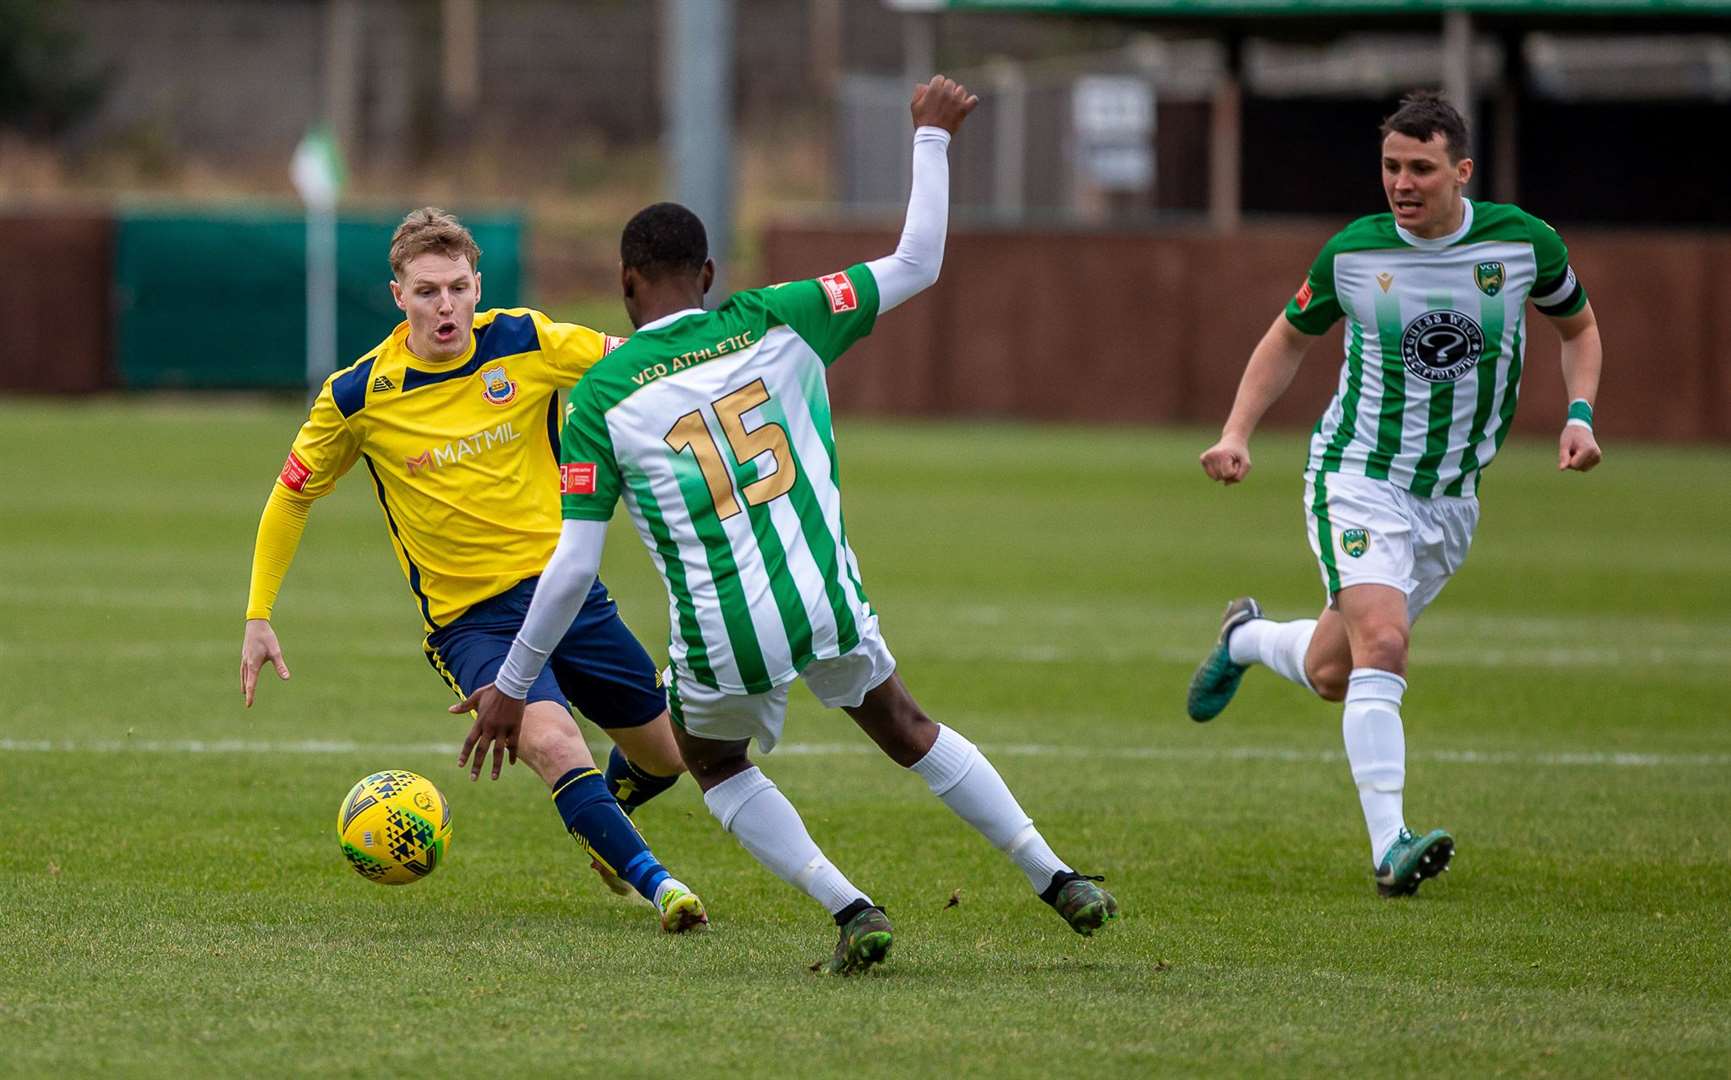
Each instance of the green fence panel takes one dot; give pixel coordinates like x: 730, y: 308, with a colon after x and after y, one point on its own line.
x: 217, y: 299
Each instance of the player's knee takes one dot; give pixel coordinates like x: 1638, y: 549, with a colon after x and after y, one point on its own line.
x: 1382, y: 646
x: 540, y: 753
x: 553, y: 749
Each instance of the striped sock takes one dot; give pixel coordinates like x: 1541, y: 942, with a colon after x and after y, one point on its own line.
x: 595, y: 818
x: 631, y: 785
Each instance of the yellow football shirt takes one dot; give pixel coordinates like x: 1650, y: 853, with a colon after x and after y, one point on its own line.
x: 463, y: 454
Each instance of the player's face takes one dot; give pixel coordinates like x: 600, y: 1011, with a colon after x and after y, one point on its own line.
x: 438, y: 294
x: 1423, y: 186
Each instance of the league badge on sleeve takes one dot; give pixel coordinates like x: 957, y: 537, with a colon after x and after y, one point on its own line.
x: 295, y: 473
x: 1302, y: 297
x: 840, y: 291
x: 577, y: 478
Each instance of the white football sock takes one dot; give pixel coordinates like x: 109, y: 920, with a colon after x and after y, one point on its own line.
x: 751, y: 807
x: 961, y: 776
x: 1279, y: 645
x: 1376, y: 750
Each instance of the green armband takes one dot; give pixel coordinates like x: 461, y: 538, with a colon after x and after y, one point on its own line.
x: 1580, y: 413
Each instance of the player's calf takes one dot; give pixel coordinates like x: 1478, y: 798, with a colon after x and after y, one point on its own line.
x: 633, y: 785
x: 961, y: 777
x: 896, y: 723
x: 1328, y: 675
x: 595, y: 820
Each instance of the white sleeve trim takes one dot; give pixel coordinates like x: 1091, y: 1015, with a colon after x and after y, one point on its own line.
x: 559, y: 596
x: 1563, y: 292
x: 914, y: 265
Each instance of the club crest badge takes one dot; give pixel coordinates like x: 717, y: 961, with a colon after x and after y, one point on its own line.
x: 1355, y: 542
x: 1489, y: 277
x: 498, y: 387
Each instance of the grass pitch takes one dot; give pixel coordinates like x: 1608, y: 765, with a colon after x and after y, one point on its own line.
x: 172, y: 899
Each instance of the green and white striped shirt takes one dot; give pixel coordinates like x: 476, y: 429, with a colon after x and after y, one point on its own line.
x: 715, y: 429
x: 1435, y: 340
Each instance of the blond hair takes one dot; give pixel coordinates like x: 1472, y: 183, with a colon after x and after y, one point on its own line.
x: 431, y: 229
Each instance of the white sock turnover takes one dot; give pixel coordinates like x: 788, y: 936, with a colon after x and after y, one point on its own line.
x: 1376, y: 750
x: 752, y: 808
x: 961, y: 776
x: 1279, y: 645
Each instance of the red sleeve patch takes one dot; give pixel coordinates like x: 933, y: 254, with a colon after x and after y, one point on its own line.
x: 840, y: 290
x: 610, y: 343
x: 1304, y: 295
x: 577, y: 478
x: 295, y: 473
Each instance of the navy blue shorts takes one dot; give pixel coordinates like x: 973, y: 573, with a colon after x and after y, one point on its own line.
x: 598, y: 667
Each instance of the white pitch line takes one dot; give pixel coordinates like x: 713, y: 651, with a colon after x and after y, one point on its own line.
x: 1288, y: 755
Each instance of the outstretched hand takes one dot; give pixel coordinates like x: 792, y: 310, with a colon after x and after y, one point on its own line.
x: 1227, y: 461
x: 1577, y: 449
x: 943, y: 103
x: 497, y: 721
x: 257, y: 646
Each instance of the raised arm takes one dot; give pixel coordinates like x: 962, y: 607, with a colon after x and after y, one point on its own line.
x: 938, y: 108
x: 1272, y: 365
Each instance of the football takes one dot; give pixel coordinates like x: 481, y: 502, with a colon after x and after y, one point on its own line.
x: 394, y: 827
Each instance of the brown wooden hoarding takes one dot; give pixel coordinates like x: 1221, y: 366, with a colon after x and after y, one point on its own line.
x: 56, y: 295
x: 1156, y: 327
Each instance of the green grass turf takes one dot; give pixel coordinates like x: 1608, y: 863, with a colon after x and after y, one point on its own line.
x: 1048, y: 590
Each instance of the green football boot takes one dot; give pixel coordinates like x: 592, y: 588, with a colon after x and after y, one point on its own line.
x: 1083, y: 904
x: 865, y: 941
x: 1412, y: 859
x: 1216, y: 680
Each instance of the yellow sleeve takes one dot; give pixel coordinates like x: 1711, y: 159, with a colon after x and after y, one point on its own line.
x: 324, y: 449
x: 571, y: 350
x: 279, y: 534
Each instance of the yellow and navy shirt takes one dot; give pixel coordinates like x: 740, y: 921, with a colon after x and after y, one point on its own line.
x: 462, y: 453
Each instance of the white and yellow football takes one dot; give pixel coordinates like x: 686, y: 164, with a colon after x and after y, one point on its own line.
x: 394, y: 827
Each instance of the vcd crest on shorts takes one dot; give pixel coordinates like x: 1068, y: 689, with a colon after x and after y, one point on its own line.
x: 1355, y: 542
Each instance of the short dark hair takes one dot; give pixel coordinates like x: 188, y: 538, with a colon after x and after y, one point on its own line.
x: 663, y: 239
x: 1422, y: 114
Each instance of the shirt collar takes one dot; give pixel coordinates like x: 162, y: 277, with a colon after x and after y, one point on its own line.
x: 1441, y: 242
x: 401, y: 337
x: 668, y: 320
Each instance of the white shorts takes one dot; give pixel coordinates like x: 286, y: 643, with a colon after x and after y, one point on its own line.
x: 1372, y: 532
x: 840, y: 683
